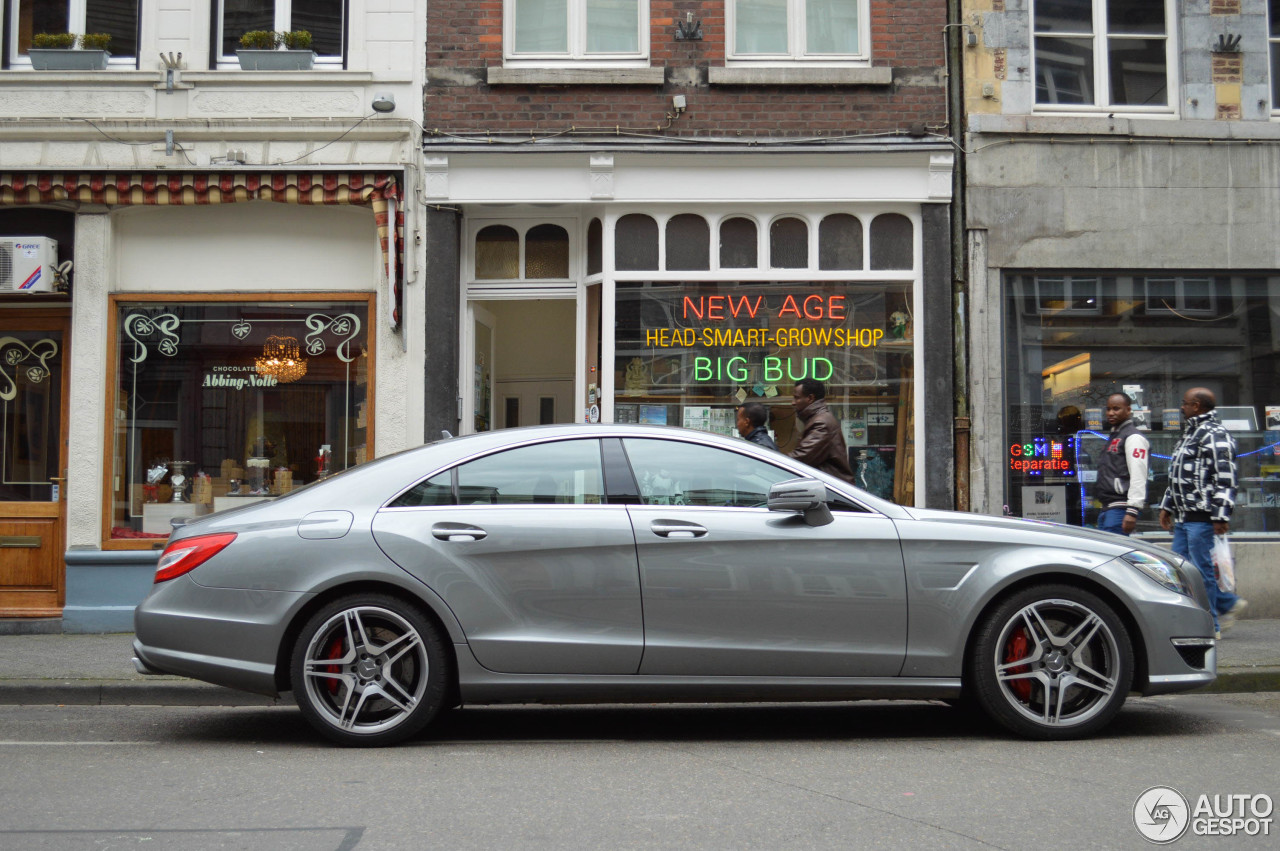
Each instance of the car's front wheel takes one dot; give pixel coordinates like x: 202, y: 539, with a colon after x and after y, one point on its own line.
x: 1051, y: 662
x: 369, y: 669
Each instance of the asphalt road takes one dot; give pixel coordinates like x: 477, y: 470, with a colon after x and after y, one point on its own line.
x: 868, y: 775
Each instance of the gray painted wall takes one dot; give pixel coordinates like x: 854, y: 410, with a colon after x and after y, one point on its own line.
x: 442, y: 325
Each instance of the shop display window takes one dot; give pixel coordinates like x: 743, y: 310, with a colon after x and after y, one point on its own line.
x: 1073, y: 340
x: 219, y: 402
x: 689, y: 354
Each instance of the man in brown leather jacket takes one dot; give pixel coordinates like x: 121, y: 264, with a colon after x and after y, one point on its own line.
x: 821, y: 443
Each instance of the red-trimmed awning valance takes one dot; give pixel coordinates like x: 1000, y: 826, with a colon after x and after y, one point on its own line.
x: 378, y: 191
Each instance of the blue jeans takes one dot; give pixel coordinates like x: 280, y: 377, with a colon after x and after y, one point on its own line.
x: 1194, y: 541
x: 1110, y: 519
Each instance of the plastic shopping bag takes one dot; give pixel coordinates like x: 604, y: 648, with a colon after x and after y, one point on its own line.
x: 1223, y: 563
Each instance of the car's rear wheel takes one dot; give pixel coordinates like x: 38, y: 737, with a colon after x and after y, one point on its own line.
x: 369, y: 669
x: 1051, y: 662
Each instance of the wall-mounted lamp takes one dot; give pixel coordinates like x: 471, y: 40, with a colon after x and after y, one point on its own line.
x: 384, y: 102
x: 1227, y: 43
x: 689, y: 29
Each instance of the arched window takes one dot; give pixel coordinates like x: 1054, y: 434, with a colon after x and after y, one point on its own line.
x: 636, y: 244
x: 688, y: 243
x: 892, y: 245
x: 788, y: 244
x: 840, y: 242
x: 546, y: 252
x: 738, y: 246
x: 497, y: 253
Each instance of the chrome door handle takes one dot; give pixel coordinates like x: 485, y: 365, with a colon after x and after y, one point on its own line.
x: 459, y: 532
x: 677, y: 529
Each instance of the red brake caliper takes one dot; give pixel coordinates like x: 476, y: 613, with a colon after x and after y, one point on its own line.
x: 1013, y: 651
x: 335, y: 652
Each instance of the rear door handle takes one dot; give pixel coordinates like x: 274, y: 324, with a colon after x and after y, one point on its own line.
x: 677, y: 529
x: 459, y: 532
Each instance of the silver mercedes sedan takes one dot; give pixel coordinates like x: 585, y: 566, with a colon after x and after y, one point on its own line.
x: 625, y: 563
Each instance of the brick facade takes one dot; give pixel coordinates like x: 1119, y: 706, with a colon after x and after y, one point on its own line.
x: 464, y: 39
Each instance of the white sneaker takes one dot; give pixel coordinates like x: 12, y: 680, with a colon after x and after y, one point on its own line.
x: 1228, y: 620
x: 1217, y: 633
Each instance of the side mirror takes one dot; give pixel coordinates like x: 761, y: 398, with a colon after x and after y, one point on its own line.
x: 806, y: 496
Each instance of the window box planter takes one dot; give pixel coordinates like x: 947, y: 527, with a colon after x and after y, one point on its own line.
x: 57, y: 59
x: 276, y: 60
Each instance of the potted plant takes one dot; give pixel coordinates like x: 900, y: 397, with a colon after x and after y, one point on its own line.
x: 58, y: 51
x: 261, y: 50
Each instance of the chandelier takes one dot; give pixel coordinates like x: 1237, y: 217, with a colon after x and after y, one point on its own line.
x: 280, y: 360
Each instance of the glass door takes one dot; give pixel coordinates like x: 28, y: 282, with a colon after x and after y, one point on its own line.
x: 32, y: 461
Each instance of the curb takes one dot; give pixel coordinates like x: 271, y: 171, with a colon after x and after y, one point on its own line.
x: 179, y: 692
x: 127, y: 693
x: 1243, y: 680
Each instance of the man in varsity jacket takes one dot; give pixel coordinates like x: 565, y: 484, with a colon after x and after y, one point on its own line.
x: 1122, y: 469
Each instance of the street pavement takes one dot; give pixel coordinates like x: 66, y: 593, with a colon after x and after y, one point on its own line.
x: 97, y: 669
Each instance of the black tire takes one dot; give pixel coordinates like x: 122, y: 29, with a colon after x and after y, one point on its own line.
x: 369, y: 670
x: 1051, y: 662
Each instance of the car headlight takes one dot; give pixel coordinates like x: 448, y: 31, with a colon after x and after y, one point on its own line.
x: 1159, y: 570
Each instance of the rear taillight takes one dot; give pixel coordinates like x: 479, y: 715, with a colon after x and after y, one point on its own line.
x: 186, y: 555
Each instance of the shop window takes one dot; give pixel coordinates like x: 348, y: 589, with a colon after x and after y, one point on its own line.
x: 117, y: 18
x: 689, y: 355
x: 219, y: 403
x: 1153, y: 336
x: 1273, y: 37
x: 576, y: 29
x: 324, y: 19
x: 788, y: 244
x: 790, y: 30
x: 688, y: 243
x: 1067, y: 293
x: 595, y: 247
x: 840, y: 242
x: 635, y: 243
x: 497, y: 253
x: 1179, y: 294
x: 739, y: 248
x: 1102, y: 53
x: 892, y: 242
x: 546, y: 252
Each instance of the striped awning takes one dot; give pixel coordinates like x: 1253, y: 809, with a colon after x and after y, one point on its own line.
x: 378, y: 191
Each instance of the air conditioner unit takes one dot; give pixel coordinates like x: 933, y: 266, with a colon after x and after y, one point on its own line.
x: 26, y: 264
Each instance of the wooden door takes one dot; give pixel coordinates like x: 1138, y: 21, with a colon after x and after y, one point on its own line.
x: 33, y: 436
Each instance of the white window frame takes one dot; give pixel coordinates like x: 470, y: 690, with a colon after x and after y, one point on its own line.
x: 284, y: 15
x: 1101, y: 64
x: 576, y: 56
x: 796, y: 47
x: 76, y: 12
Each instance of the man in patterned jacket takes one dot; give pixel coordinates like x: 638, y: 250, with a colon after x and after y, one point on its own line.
x: 1201, y: 496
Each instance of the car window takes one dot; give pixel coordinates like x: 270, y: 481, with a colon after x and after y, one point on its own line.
x: 566, y: 472
x: 437, y: 490
x: 674, y: 473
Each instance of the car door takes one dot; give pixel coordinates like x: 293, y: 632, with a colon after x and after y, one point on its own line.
x: 521, y: 545
x: 733, y: 589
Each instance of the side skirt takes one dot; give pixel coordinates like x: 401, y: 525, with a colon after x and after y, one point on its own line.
x: 477, y: 685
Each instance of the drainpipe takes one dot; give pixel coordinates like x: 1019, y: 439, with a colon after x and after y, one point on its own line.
x: 959, y: 266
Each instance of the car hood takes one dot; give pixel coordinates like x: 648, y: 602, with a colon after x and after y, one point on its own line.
x: 1103, y: 543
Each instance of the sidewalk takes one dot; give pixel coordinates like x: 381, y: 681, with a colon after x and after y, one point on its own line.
x: 96, y: 669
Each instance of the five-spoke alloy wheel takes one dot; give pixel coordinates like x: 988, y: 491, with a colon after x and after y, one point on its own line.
x: 1051, y: 662
x: 369, y: 669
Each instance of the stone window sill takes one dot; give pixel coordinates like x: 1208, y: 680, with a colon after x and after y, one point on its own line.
x: 773, y: 76
x: 575, y: 76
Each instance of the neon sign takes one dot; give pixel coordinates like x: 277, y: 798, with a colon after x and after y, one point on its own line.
x: 1044, y: 454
